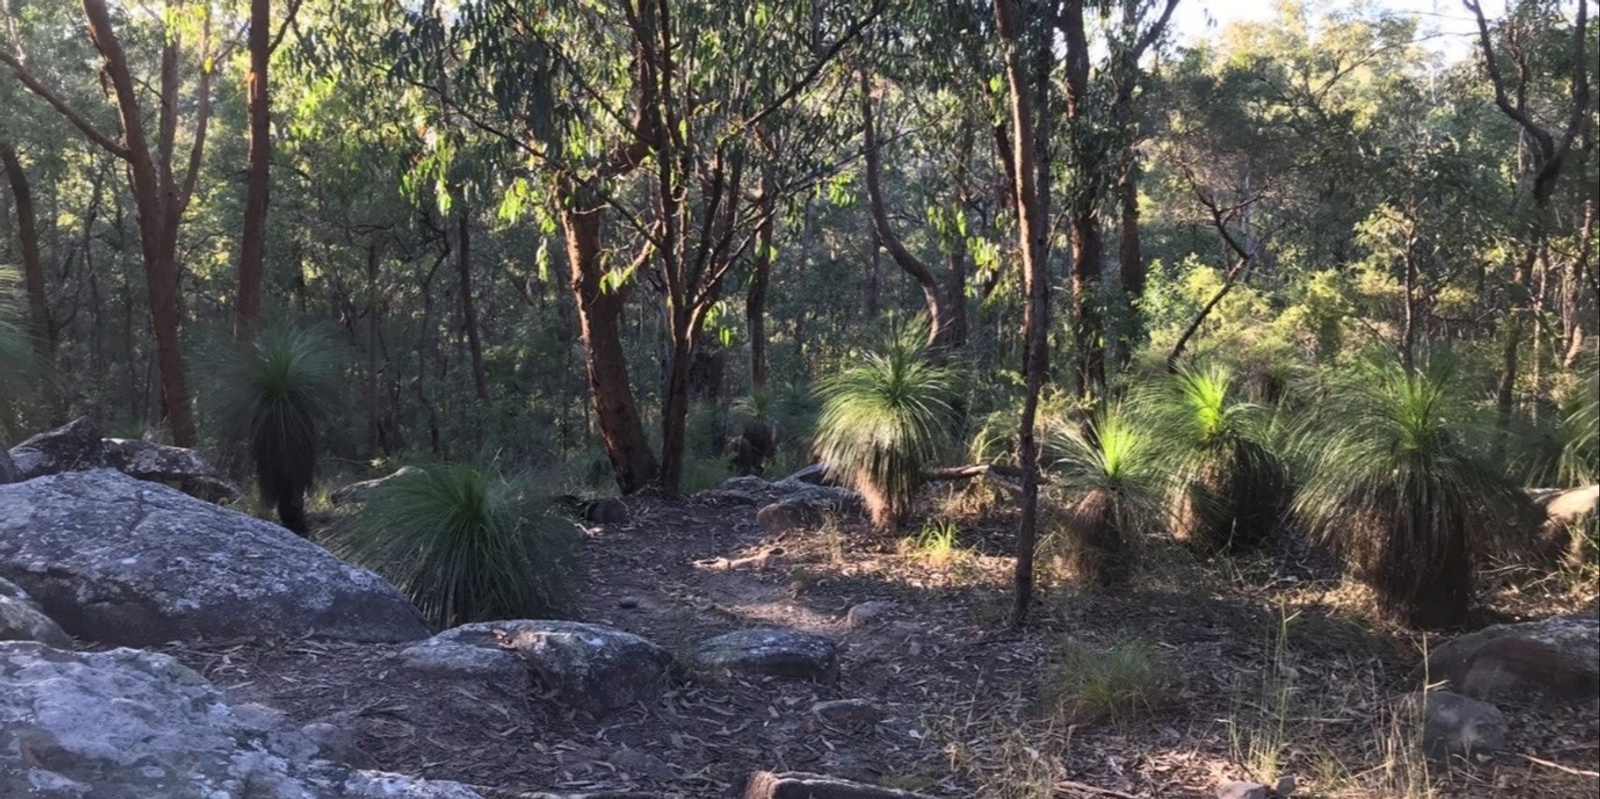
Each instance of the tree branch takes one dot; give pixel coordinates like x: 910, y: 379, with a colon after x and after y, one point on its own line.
x: 78, y: 120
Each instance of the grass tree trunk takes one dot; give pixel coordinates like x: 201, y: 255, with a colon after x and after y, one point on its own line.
x: 599, y: 324
x: 1032, y: 232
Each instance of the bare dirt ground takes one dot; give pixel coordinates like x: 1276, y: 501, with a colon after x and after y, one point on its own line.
x: 970, y: 708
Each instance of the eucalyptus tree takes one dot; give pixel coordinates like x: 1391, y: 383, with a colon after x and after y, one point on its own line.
x: 161, y: 178
x: 645, y: 115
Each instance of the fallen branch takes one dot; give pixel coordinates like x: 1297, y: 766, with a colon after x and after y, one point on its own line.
x: 1069, y: 785
x: 1557, y: 766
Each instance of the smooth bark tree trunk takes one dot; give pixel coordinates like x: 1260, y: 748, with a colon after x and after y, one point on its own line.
x: 599, y: 323
x: 755, y: 303
x: 1131, y: 269
x: 253, y: 238
x: 1032, y: 232
x: 1088, y: 248
x: 469, y: 307
x: 938, y: 324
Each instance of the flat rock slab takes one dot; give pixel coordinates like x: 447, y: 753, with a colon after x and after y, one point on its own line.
x: 127, y: 724
x: 1557, y: 659
x: 183, y: 469
x: 785, y: 654
x: 22, y: 620
x: 800, y: 785
x: 588, y: 667
x: 121, y: 561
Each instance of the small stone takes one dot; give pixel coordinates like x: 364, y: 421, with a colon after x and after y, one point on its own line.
x: 1244, y: 790
x: 605, y: 510
x: 21, y: 619
x: 799, y: 785
x: 848, y: 712
x: 628, y: 602
x: 337, y: 744
x: 1454, y: 725
x: 867, y: 613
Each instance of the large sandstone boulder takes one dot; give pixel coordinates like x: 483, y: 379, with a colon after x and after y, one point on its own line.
x: 183, y: 469
x: 74, y: 446
x: 1556, y: 658
x: 784, y: 654
x: 77, y: 446
x: 587, y: 667
x: 22, y: 620
x: 127, y: 724
x: 121, y: 561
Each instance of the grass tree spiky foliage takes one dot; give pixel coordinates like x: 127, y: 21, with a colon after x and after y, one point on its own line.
x: 884, y: 421
x: 1580, y: 457
x: 1397, y: 482
x: 1228, y: 490
x: 1113, y: 481
x: 280, y: 392
x: 465, y: 546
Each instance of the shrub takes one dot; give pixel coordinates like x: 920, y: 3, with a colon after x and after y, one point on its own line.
x: 278, y: 394
x: 1228, y: 491
x: 883, y: 422
x: 464, y: 546
x: 1397, y: 484
x: 1112, y: 477
x: 1114, y: 684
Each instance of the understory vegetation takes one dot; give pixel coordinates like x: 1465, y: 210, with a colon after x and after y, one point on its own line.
x: 1088, y: 295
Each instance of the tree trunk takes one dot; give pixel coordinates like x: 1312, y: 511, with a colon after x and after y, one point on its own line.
x: 469, y: 308
x: 1088, y: 248
x: 253, y: 240
x: 39, y: 326
x: 675, y: 407
x: 599, y: 317
x: 938, y: 335
x: 1032, y: 231
x: 755, y: 302
x: 1130, y: 260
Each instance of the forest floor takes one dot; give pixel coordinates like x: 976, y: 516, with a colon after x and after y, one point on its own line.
x: 1208, y: 688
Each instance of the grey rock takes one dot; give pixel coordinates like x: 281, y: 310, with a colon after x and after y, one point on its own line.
x: 867, y: 613
x: 183, y: 469
x: 1557, y: 658
x: 337, y: 744
x: 462, y: 655
x: 358, y: 491
x: 71, y: 447
x: 8, y: 468
x: 587, y: 667
x: 800, y: 785
x: 21, y: 619
x: 785, y: 654
x: 848, y: 712
x: 127, y: 724
x: 121, y: 561
x: 605, y: 510
x: 726, y: 496
x: 808, y: 506
x: 1454, y: 725
x: 816, y: 474
x: 746, y: 483
x: 1244, y: 790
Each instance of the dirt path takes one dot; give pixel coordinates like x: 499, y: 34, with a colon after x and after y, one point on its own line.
x: 964, y: 710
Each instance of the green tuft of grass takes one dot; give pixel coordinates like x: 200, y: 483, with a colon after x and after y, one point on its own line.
x: 465, y: 546
x: 1112, y: 684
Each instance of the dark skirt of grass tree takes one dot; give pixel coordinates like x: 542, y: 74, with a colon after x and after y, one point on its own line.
x: 1114, y: 499
x: 280, y: 392
x: 1397, y: 483
x: 1228, y: 490
x: 884, y: 421
x: 464, y: 546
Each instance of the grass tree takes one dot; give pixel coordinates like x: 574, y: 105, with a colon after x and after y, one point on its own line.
x: 884, y: 421
x: 1113, y: 476
x: 280, y: 392
x: 1228, y: 489
x: 1397, y: 482
x: 1580, y: 456
x: 465, y: 546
